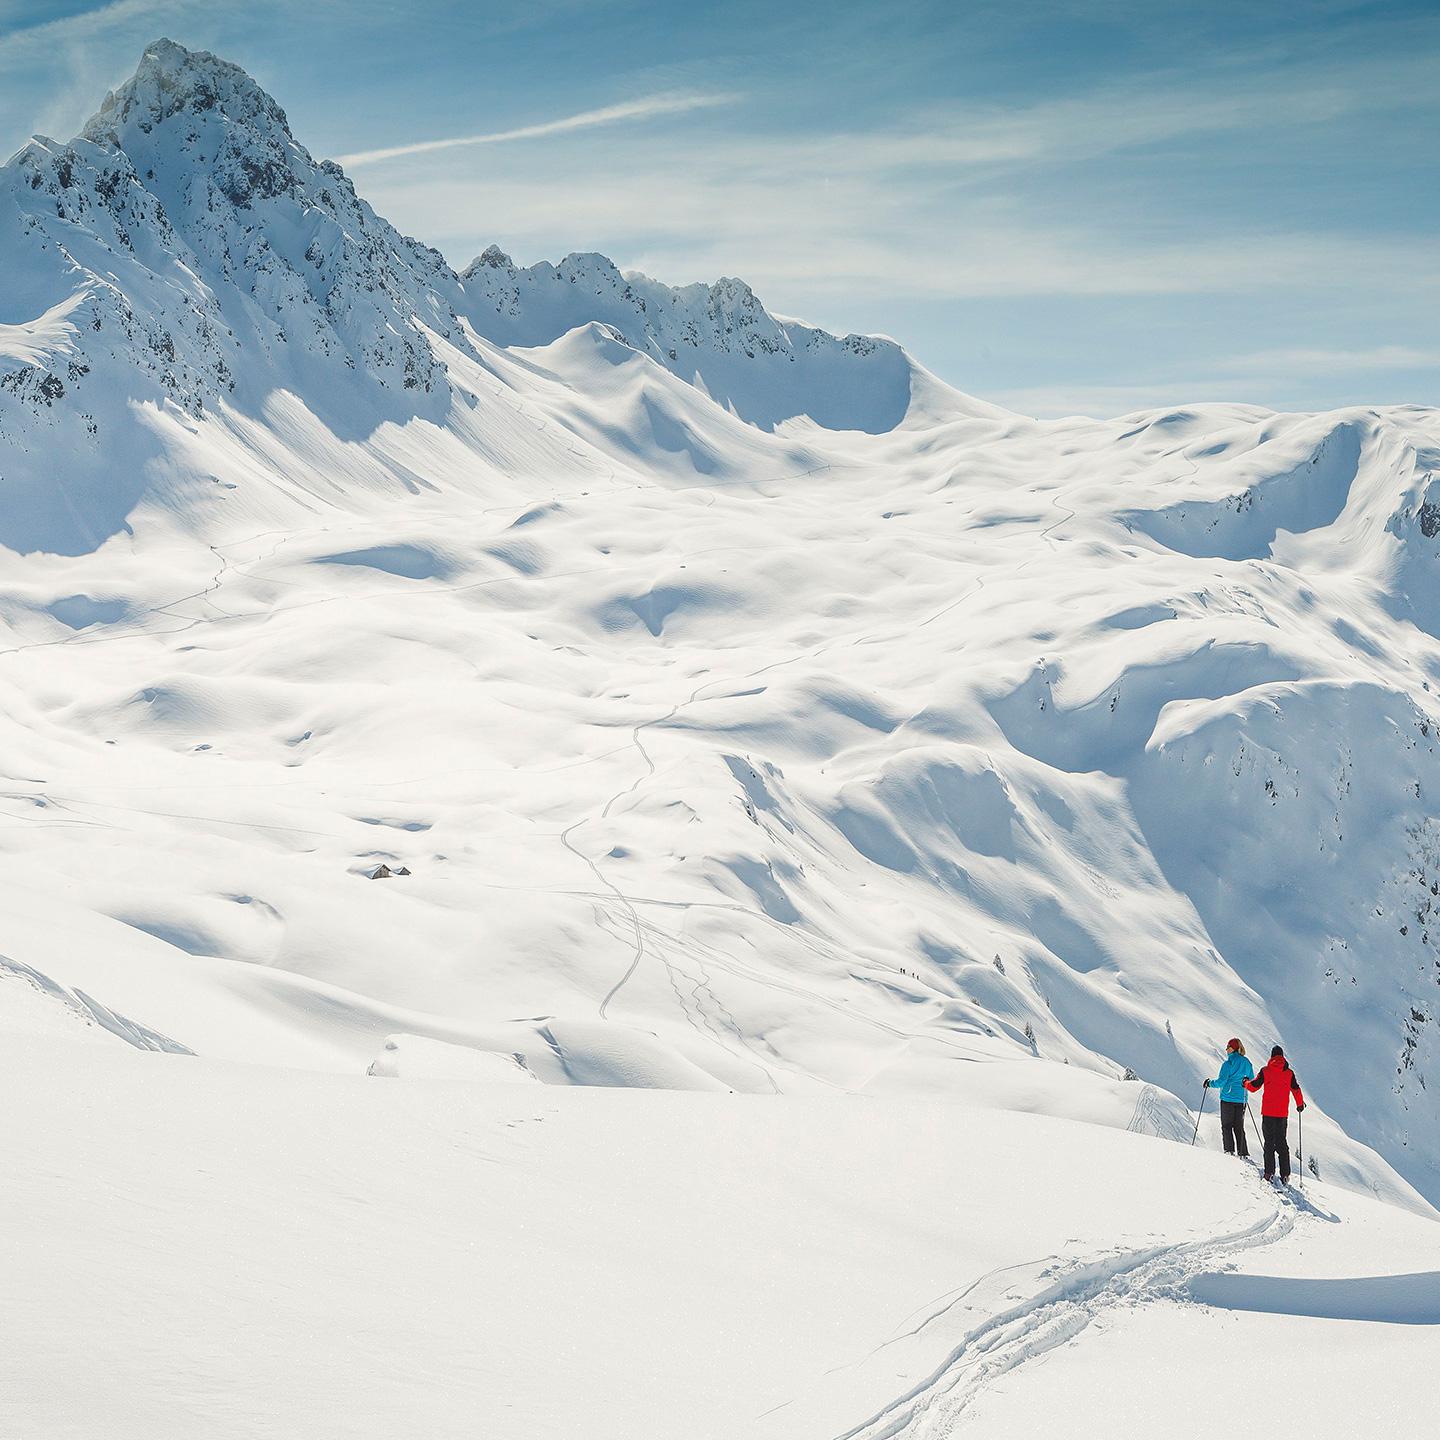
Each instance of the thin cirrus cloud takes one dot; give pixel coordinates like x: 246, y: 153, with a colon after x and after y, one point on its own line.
x: 648, y: 107
x: 958, y: 200
x: 41, y: 37
x: 1318, y: 361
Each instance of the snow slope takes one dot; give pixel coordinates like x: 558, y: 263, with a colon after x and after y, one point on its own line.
x: 1328, y: 1329
x: 288, y: 1253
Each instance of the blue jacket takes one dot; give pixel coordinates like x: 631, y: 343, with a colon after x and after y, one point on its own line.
x: 1234, y: 1072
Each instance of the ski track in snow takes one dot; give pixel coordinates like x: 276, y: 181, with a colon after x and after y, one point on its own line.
x: 1056, y: 1314
x: 735, y: 682
x: 90, y: 1011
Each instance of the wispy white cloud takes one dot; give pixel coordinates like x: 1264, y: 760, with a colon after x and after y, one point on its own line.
x: 76, y: 57
x: 649, y: 107
x: 1282, y: 379
x: 801, y: 233
x: 27, y: 41
x: 948, y: 202
x: 1319, y: 361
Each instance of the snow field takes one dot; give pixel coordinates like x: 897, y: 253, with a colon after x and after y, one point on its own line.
x: 680, y: 751
x: 266, y: 1253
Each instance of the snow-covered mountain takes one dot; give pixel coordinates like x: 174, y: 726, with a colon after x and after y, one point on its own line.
x: 750, y: 710
x: 187, y: 250
x: 719, y: 337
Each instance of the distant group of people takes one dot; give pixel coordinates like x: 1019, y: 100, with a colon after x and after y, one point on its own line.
x: 1276, y: 1083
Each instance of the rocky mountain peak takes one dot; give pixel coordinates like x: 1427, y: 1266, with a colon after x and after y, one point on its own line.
x: 492, y: 257
x: 257, y: 259
x: 199, y: 128
x: 172, y: 81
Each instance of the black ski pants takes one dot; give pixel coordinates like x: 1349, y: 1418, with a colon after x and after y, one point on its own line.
x: 1273, y: 1128
x: 1232, y: 1127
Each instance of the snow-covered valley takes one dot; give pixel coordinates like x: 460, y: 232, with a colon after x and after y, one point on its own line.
x: 732, y: 708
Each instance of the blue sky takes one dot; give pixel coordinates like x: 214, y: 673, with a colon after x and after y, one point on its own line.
x: 1061, y: 206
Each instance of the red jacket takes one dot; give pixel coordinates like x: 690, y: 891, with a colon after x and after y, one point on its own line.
x: 1278, y: 1081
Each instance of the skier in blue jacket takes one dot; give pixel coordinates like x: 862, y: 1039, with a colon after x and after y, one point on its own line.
x: 1235, y: 1070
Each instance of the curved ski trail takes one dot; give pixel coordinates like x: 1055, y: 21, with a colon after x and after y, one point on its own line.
x: 1054, y: 1315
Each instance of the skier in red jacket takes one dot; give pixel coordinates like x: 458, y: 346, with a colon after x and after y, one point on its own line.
x: 1278, y: 1082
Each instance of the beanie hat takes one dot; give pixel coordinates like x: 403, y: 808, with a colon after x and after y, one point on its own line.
x: 1277, y: 1050
x: 1236, y: 1046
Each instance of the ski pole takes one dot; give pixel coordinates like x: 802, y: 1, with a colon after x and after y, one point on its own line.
x: 1259, y: 1139
x: 1199, y: 1113
x: 1300, y: 1147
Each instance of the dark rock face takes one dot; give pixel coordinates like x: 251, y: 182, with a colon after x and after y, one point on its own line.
x: 38, y: 387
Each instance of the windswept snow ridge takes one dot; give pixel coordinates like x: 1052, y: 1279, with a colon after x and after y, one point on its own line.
x: 718, y: 337
x: 728, y: 704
